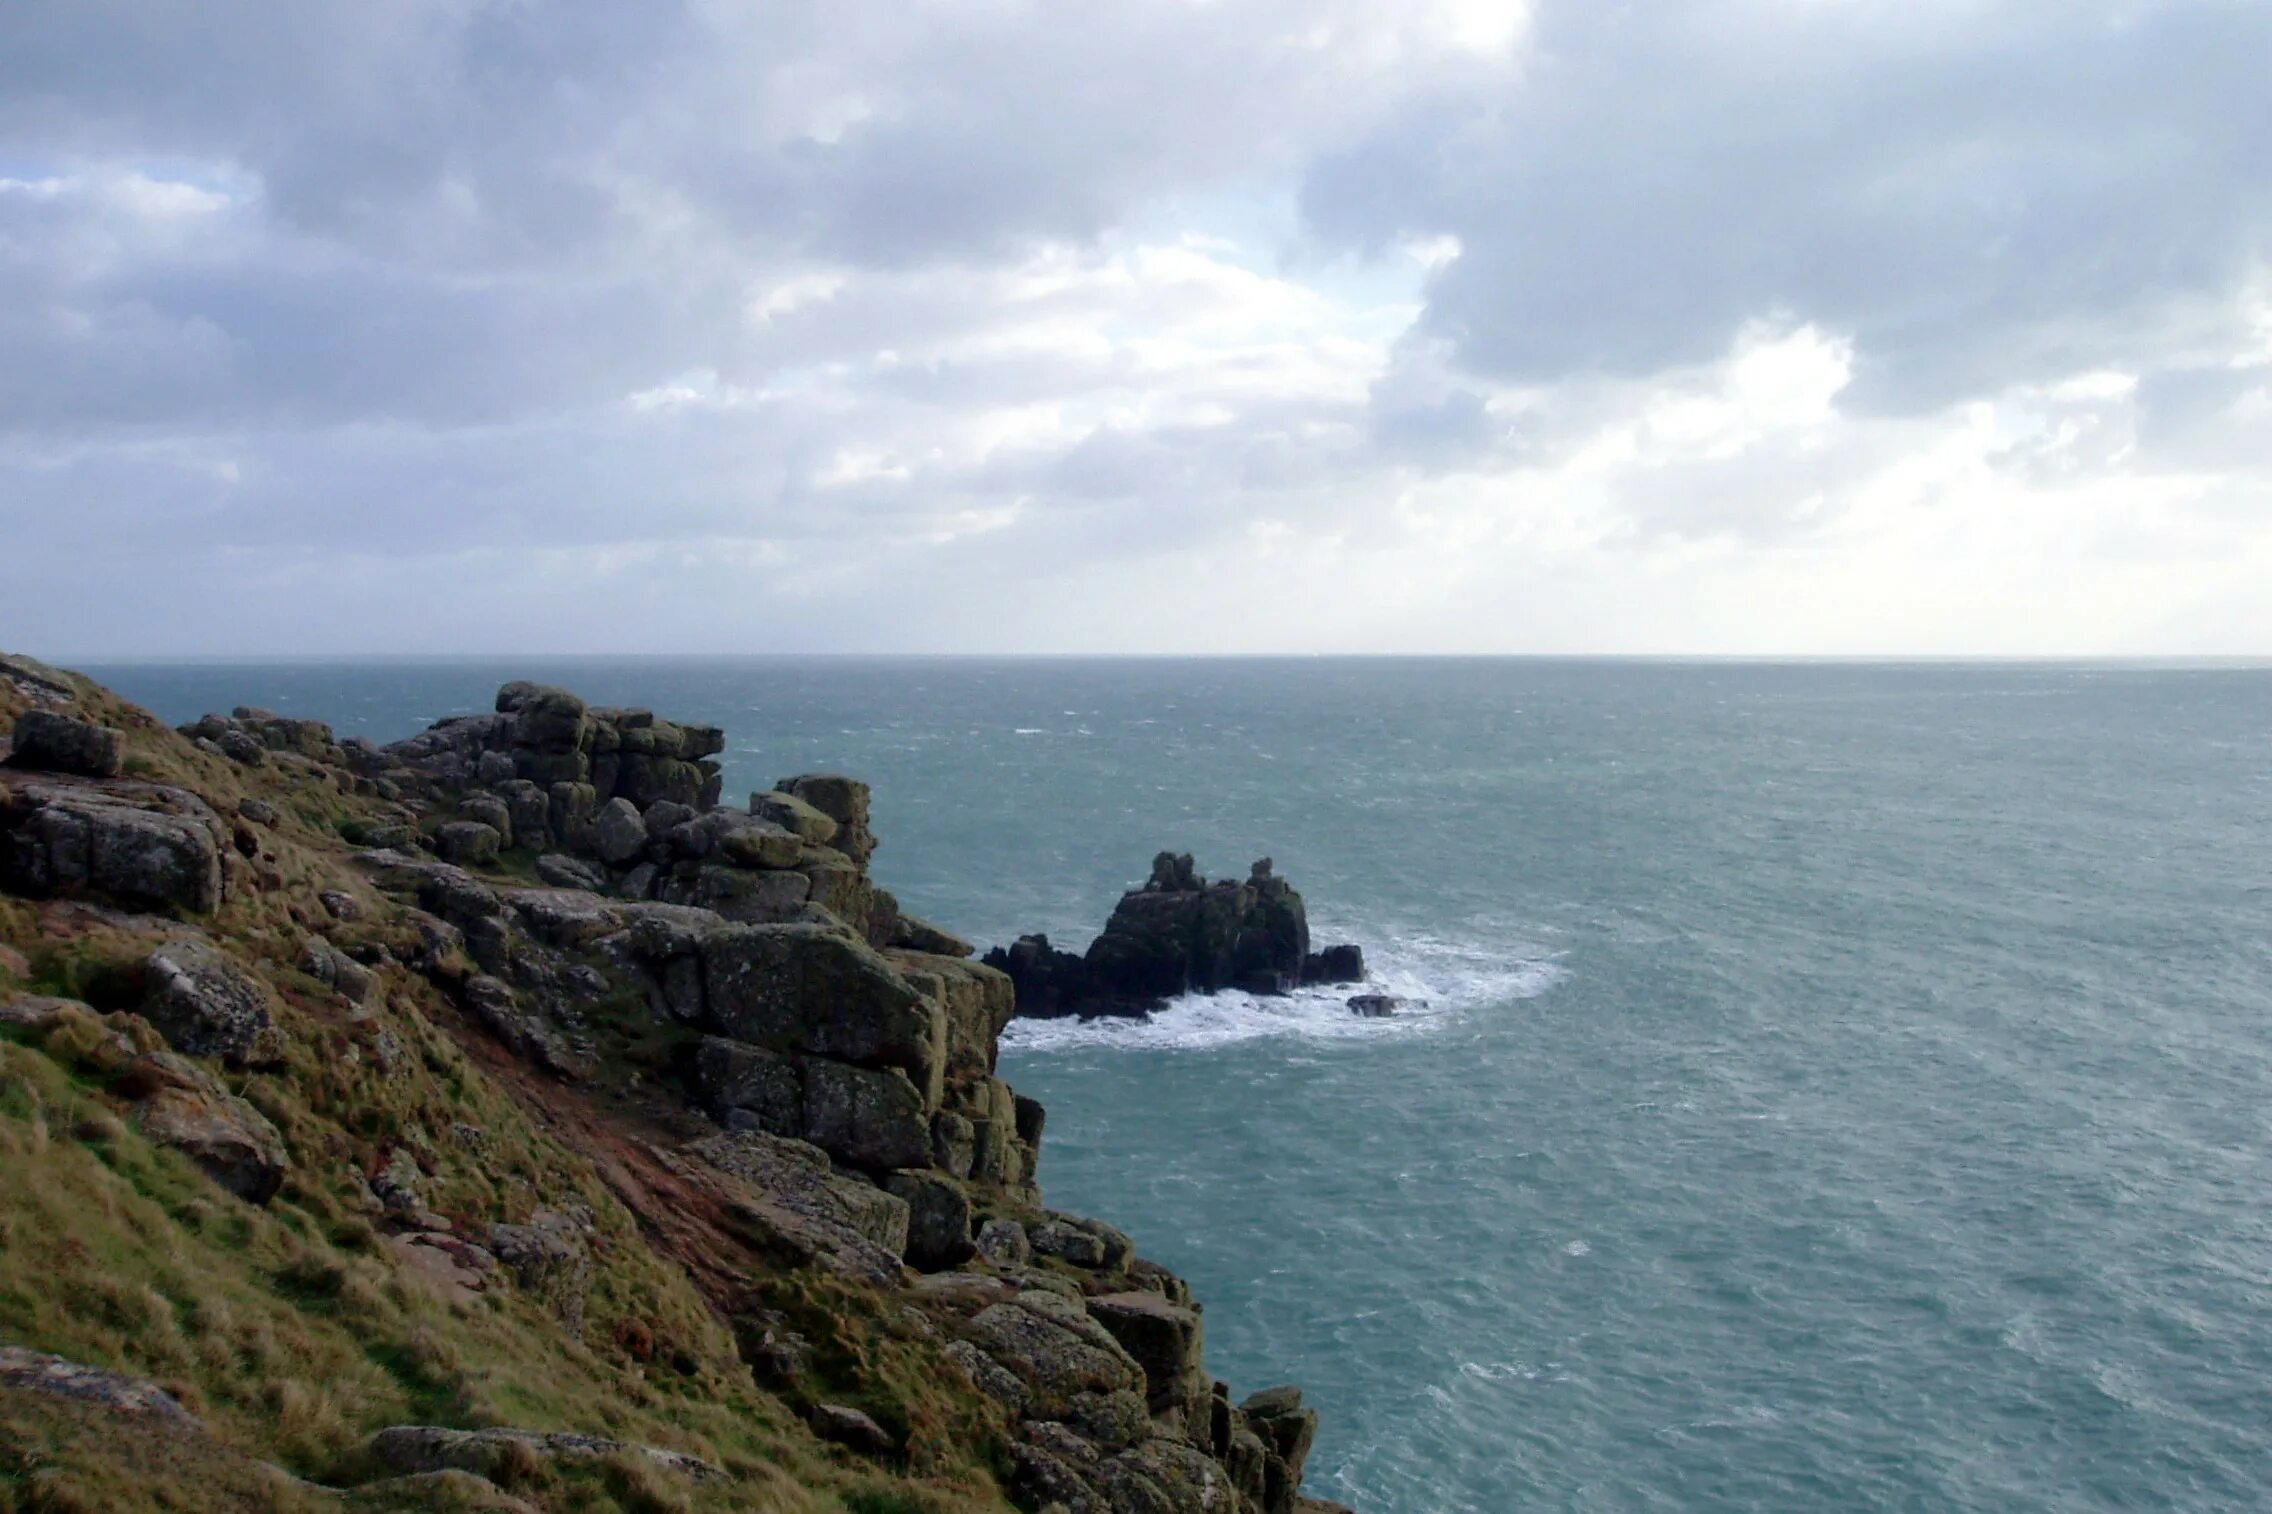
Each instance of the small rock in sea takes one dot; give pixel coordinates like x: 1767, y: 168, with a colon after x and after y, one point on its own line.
x: 1379, y: 1006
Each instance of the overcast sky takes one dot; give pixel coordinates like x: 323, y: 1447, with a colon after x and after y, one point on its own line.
x: 1708, y: 326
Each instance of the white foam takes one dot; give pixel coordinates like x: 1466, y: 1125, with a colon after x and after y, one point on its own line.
x: 1438, y: 979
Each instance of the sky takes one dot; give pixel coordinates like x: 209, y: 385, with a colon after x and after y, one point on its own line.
x: 1752, y: 327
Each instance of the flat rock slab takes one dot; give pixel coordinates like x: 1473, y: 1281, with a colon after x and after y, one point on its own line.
x: 804, y: 1211
x: 430, y: 1448
x: 37, y: 1372
x: 142, y: 844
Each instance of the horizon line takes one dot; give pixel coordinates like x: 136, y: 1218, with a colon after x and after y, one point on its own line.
x: 242, y: 659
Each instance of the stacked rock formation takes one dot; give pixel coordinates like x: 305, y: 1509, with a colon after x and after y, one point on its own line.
x: 847, y: 1051
x: 1179, y: 934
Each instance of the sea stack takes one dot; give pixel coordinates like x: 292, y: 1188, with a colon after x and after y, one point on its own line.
x: 1179, y: 934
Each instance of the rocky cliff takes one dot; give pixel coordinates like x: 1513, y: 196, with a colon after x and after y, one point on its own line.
x: 496, y: 1120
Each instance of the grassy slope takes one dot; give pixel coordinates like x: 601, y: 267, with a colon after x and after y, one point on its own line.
x: 291, y: 1331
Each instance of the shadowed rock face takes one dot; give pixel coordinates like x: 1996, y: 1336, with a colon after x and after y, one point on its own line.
x: 1178, y: 934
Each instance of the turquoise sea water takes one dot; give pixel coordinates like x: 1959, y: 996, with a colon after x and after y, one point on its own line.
x: 1843, y: 1087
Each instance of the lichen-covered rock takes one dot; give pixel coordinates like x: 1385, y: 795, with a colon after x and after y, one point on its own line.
x: 840, y: 887
x: 327, y: 964
x: 954, y: 1144
x: 493, y: 812
x: 1049, y: 1351
x: 1003, y: 1243
x: 938, y: 1222
x: 1081, y: 1242
x: 563, y: 916
x: 548, y: 725
x: 868, y: 1117
x: 749, y: 1087
x: 619, y: 834
x: 987, y: 1375
x: 922, y: 936
x: 144, y: 845
x: 976, y: 1002
x: 570, y: 806
x: 737, y: 894
x: 808, y: 988
x: 804, y: 1212
x: 60, y: 743
x: 491, y: 1001
x: 793, y: 815
x: 205, y: 1005
x: 550, y: 1257
x: 1164, y: 1476
x: 1166, y: 1341
x: 758, y: 843
x: 843, y: 800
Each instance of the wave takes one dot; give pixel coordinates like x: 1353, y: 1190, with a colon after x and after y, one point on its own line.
x: 1439, y: 979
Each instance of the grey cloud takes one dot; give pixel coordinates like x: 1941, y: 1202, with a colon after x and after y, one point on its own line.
x: 1980, y: 193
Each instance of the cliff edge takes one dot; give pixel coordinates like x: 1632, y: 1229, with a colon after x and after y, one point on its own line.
x: 497, y: 1120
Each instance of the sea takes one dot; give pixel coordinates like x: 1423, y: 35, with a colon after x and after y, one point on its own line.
x: 1828, y: 1086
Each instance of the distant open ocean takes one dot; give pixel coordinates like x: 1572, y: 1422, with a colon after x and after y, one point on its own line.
x: 1843, y: 1086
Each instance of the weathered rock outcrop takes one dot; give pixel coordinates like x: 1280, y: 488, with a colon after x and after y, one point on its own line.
x: 1179, y: 934
x: 143, y: 845
x: 782, y: 1092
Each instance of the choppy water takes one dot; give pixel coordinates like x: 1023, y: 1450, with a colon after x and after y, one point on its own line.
x: 1845, y: 1087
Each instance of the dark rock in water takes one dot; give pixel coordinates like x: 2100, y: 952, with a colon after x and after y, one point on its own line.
x: 67, y: 744
x: 1178, y: 934
x: 1049, y: 982
x: 1336, y: 964
x: 1181, y: 934
x: 1378, y: 1006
